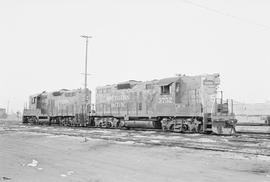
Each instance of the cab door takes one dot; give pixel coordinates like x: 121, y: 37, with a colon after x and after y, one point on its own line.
x: 177, y: 92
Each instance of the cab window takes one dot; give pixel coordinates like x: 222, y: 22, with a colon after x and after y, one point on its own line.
x: 33, y: 100
x: 165, y: 90
x: 177, y: 87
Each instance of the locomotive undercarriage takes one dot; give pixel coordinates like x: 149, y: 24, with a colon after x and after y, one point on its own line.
x: 55, y: 120
x: 192, y: 125
x: 167, y: 124
x: 206, y: 124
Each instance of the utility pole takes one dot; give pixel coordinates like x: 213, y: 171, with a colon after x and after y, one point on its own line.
x: 8, y: 107
x: 85, y: 73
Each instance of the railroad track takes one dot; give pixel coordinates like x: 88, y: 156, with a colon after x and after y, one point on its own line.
x: 252, y: 124
x: 246, y: 143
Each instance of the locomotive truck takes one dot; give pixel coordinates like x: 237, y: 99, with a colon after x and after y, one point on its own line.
x: 178, y: 104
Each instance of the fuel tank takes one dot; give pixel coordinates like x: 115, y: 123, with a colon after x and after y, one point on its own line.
x: 140, y: 124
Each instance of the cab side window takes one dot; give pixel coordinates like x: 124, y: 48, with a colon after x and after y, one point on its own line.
x: 165, y: 90
x: 33, y: 100
x: 177, y: 87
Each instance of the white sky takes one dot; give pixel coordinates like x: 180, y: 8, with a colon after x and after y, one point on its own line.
x: 41, y: 48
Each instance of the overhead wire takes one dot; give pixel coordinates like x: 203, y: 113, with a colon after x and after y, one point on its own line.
x: 213, y: 10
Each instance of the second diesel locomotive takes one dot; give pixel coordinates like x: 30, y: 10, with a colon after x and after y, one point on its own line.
x: 63, y: 107
x: 179, y: 104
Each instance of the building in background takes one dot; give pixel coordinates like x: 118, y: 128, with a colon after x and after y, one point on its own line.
x: 3, y: 113
x: 252, y: 108
x: 252, y: 112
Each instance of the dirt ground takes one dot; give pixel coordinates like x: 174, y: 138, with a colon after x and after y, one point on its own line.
x: 47, y: 153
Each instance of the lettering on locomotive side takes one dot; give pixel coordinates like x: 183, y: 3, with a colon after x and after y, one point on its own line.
x: 208, y: 82
x: 120, y: 97
x: 108, y: 98
x: 165, y: 100
x: 118, y: 104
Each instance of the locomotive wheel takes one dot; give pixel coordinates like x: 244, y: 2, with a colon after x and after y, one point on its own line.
x: 233, y: 131
x: 25, y: 120
x: 172, y: 127
x: 35, y: 120
x: 121, y: 124
x: 193, y: 130
x: 109, y: 124
x: 118, y: 124
x: 219, y: 130
x: 185, y: 128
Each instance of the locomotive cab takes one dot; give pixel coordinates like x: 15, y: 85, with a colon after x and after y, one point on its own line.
x: 36, y: 113
x: 30, y: 115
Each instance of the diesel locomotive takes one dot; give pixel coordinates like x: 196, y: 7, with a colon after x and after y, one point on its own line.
x: 178, y: 104
x: 64, y: 107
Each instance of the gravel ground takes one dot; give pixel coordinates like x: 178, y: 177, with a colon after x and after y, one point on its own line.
x: 43, y: 153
